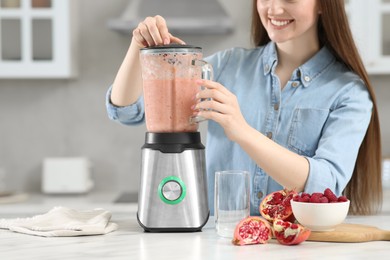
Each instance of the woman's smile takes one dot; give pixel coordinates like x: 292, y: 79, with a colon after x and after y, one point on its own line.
x: 279, y: 23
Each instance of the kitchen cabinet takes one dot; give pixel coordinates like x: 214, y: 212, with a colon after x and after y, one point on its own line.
x: 37, y: 39
x: 368, y: 20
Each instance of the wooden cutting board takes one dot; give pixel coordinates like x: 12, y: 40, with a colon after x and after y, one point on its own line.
x: 351, y: 233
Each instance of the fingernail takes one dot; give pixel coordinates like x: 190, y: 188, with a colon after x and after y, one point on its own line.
x: 166, y: 41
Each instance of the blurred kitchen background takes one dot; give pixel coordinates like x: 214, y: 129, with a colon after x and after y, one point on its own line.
x: 64, y: 115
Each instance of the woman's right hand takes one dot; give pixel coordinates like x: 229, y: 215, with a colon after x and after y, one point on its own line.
x: 153, y: 31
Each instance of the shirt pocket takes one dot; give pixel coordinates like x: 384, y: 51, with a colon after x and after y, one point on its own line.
x: 306, y: 130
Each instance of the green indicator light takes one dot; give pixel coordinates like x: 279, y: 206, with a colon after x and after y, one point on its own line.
x: 179, y: 182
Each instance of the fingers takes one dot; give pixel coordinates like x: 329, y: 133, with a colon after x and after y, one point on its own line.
x: 214, y: 97
x: 154, y: 31
x: 176, y: 40
x: 211, y: 94
x: 144, y: 35
x: 211, y: 115
x: 221, y: 106
x: 158, y: 30
x: 213, y: 90
x: 137, y: 37
x: 211, y: 106
x: 209, y: 84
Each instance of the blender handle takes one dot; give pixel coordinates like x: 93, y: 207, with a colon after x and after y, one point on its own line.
x: 207, y: 69
x: 207, y: 73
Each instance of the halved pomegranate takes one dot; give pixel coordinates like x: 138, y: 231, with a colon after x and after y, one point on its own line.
x: 277, y: 205
x: 288, y: 233
x: 252, y: 230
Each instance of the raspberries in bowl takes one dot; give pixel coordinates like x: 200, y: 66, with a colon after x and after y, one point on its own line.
x: 320, y: 211
x: 317, y: 197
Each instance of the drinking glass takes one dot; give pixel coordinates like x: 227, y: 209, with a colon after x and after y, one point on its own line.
x: 231, y: 200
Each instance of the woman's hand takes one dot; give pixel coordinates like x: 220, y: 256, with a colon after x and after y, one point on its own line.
x: 153, y: 31
x: 217, y: 103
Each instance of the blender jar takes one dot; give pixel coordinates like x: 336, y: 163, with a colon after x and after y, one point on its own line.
x: 169, y: 73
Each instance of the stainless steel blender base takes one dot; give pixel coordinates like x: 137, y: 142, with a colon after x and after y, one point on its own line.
x: 173, y: 191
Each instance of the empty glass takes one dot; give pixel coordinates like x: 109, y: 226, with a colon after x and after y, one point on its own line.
x: 231, y: 201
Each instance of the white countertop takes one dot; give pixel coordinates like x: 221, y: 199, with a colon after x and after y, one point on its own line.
x: 130, y: 242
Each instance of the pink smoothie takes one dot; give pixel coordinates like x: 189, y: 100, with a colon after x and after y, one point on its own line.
x: 169, y: 90
x: 168, y: 105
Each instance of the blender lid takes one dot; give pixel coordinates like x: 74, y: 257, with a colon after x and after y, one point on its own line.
x: 172, y: 48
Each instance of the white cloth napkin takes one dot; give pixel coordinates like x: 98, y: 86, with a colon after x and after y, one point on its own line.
x: 61, y: 222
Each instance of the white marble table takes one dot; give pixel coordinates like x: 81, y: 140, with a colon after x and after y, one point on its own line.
x: 130, y: 242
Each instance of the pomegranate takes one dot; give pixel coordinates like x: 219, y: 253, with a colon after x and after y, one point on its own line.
x: 288, y: 233
x: 277, y: 205
x: 252, y: 230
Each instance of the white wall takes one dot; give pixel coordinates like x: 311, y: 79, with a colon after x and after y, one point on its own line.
x: 50, y: 118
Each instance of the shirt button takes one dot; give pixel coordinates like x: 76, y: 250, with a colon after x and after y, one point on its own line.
x: 266, y: 68
x: 276, y: 107
x: 307, y: 78
x: 295, y: 84
x: 269, y: 135
x: 259, y: 195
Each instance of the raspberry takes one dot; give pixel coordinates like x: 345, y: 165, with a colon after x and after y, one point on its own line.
x: 304, y: 194
x: 324, y: 200
x: 315, y: 197
x: 317, y: 194
x: 330, y: 195
x: 305, y: 199
x: 342, y: 199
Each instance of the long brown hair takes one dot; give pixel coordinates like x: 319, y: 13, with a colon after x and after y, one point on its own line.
x: 365, y: 187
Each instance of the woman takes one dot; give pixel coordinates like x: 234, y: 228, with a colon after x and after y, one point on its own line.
x: 298, y: 111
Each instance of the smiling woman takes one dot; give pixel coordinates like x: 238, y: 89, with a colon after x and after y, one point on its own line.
x: 287, y: 20
x: 297, y: 111
x: 333, y: 32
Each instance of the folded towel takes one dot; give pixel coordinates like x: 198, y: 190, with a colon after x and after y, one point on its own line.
x: 61, y: 221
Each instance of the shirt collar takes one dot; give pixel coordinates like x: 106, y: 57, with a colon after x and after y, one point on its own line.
x: 307, y: 72
x: 270, y: 57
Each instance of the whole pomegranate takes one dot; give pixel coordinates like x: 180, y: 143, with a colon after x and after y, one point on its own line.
x: 277, y: 205
x: 252, y: 230
x: 288, y: 233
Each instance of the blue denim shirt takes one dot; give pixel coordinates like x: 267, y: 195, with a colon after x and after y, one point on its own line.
x: 322, y: 114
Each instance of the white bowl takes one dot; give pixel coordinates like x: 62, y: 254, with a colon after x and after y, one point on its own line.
x: 320, y: 216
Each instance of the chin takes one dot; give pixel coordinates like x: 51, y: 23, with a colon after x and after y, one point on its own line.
x: 279, y: 39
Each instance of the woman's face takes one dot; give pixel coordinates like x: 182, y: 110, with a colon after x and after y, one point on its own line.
x: 287, y: 20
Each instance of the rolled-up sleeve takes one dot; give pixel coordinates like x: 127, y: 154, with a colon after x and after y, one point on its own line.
x: 334, y: 160
x: 128, y: 115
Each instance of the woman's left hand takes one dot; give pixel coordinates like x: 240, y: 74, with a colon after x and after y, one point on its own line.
x: 217, y: 103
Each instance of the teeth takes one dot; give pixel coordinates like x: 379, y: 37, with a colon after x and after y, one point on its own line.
x: 279, y: 23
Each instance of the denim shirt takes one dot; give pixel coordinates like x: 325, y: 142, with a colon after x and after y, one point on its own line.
x: 322, y: 113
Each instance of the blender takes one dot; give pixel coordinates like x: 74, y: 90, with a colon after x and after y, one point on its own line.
x: 173, y: 184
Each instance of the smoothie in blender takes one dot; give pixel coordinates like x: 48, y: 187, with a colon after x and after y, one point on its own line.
x: 168, y: 105
x: 169, y: 91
